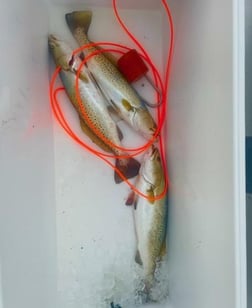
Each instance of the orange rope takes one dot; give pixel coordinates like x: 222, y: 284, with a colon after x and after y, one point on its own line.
x: 161, y: 110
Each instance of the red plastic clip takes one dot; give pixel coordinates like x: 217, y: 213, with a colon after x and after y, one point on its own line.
x: 133, y: 68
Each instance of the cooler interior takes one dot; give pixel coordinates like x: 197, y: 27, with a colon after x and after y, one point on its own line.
x: 67, y: 239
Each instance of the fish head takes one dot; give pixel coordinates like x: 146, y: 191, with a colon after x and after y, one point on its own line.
x: 144, y: 123
x: 61, y: 51
x: 151, y: 167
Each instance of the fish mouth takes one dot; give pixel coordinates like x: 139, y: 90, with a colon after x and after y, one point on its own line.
x: 61, y: 51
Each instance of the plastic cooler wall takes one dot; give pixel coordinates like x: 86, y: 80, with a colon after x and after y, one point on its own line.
x: 27, y: 216
x: 201, y: 143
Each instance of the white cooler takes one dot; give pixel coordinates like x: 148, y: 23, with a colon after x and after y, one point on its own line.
x: 65, y: 234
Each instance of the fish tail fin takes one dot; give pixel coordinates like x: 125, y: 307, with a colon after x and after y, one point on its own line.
x: 128, y: 167
x: 148, y: 284
x: 145, y: 292
x: 79, y: 20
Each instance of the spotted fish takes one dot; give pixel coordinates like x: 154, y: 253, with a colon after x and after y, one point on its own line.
x: 122, y: 97
x: 150, y: 216
x: 94, y: 105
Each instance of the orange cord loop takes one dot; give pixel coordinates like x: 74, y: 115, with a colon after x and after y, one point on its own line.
x: 161, y: 110
x: 89, y: 121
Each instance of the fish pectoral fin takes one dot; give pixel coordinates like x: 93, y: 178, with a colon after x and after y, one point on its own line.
x: 120, y: 134
x: 151, y: 195
x: 132, y: 199
x: 163, y: 250
x: 138, y: 258
x: 113, y: 105
x: 135, y: 203
x: 114, y: 113
x: 127, y: 105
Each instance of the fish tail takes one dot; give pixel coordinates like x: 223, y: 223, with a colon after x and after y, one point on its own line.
x: 148, y: 284
x: 79, y: 20
x: 149, y: 278
x: 128, y: 167
x: 144, y: 293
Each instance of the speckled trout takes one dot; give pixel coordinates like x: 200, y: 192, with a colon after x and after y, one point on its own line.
x: 122, y: 97
x: 150, y: 216
x: 93, y: 103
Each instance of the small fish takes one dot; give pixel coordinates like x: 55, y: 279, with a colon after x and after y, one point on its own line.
x: 93, y: 103
x: 123, y: 98
x: 150, y: 217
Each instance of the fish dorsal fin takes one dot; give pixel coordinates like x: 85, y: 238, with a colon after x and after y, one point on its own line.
x: 138, y: 258
x: 126, y: 104
x: 132, y: 199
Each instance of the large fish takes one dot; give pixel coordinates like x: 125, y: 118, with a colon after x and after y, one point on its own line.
x: 93, y: 103
x: 117, y: 90
x: 150, y: 217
